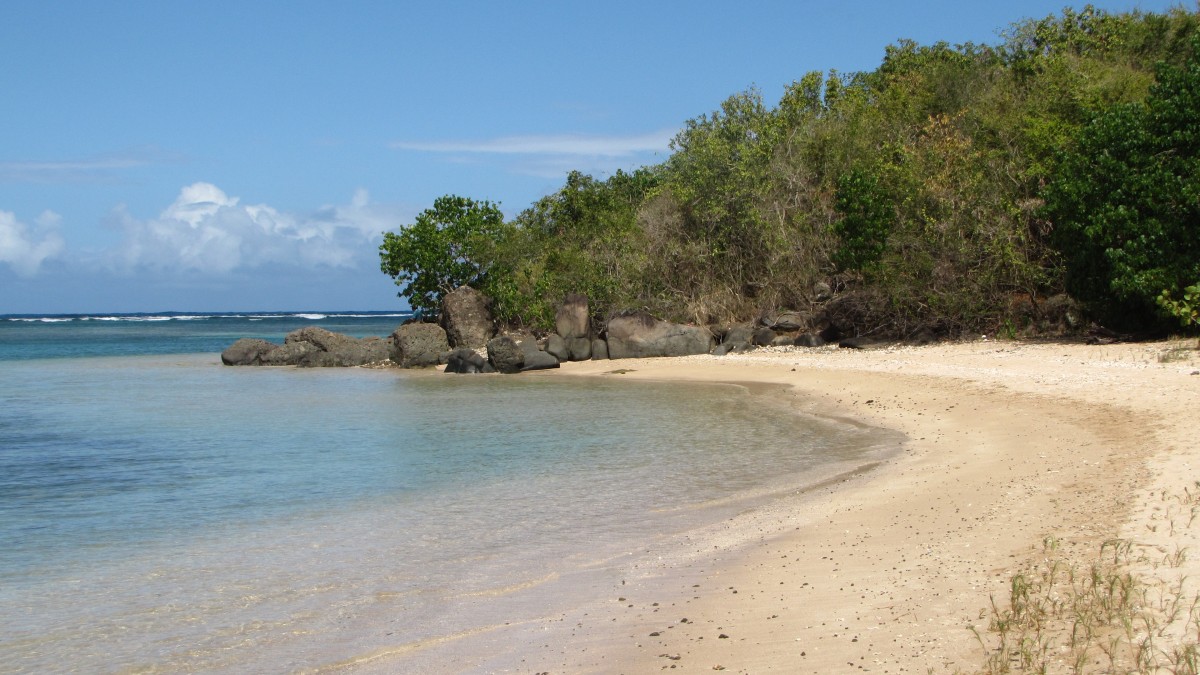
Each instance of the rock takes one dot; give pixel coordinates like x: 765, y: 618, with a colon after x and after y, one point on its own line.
x: 539, y: 361
x: 599, y: 350
x: 311, y: 346
x: 505, y: 354
x: 572, y: 319
x: 822, y: 291
x: 763, y: 337
x: 856, y: 343
x: 790, y: 321
x: 722, y: 349
x: 579, y: 349
x: 809, y: 340
x: 291, y: 353
x: 641, y: 335
x: 556, y: 346
x: 741, y: 334
x: 466, y: 318
x: 527, y: 343
x: 247, y: 352
x: 783, y: 341
x: 415, y: 345
x: 465, y: 361
x: 329, y: 349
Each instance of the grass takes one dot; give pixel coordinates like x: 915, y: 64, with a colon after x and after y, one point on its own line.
x: 1102, y: 615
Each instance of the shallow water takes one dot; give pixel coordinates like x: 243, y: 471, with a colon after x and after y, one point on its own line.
x: 165, y: 513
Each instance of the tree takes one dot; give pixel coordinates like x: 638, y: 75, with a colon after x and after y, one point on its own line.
x: 444, y: 249
x: 1125, y: 201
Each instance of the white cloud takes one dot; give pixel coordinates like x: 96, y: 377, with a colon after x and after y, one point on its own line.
x: 207, y: 231
x: 23, y: 249
x: 99, y: 169
x: 564, y: 144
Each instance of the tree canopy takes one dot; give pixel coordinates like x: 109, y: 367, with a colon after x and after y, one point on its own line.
x: 444, y: 249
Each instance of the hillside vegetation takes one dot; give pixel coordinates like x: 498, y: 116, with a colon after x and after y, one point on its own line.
x: 954, y: 188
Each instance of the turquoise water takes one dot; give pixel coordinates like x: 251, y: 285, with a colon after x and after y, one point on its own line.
x: 162, y: 513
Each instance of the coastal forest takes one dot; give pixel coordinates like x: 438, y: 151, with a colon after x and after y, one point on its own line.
x: 953, y: 189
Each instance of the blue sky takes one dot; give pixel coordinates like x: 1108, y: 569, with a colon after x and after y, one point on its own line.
x: 240, y: 156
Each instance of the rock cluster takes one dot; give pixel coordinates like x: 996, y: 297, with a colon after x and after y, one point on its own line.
x: 465, y: 339
x: 308, y: 347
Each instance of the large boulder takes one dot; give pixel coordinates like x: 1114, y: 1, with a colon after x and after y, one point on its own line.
x: 539, y: 360
x: 247, y: 352
x: 329, y: 349
x: 741, y: 335
x: 572, y: 319
x: 763, y: 337
x: 785, y: 322
x: 466, y: 318
x: 557, y: 347
x: 465, y: 361
x: 415, y: 345
x: 505, y: 354
x: 290, y: 354
x: 599, y: 350
x: 579, y: 349
x: 641, y: 335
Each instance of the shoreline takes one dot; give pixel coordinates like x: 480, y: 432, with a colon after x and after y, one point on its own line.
x: 1008, y: 444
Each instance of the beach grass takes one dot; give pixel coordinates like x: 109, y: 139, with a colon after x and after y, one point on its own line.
x: 1123, y: 611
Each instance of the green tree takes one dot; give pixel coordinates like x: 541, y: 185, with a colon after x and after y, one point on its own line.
x: 1125, y: 201
x: 867, y: 217
x: 445, y: 248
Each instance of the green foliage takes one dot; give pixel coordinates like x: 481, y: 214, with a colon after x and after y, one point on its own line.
x: 1125, y: 200
x: 929, y: 192
x: 442, y: 250
x: 867, y: 217
x: 581, y: 239
x: 1187, y: 310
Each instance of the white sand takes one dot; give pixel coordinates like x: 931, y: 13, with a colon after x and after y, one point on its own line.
x: 1009, y: 443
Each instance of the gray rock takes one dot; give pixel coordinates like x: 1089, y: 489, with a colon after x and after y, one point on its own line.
x: 572, y: 319
x: 641, y: 335
x: 722, y: 349
x: 466, y: 318
x: 599, y: 350
x: 415, y: 345
x: 809, y: 340
x: 822, y: 291
x: 739, y: 334
x: 539, y: 361
x: 247, y: 352
x: 783, y: 341
x: 763, y: 337
x: 465, y: 361
x: 557, y: 347
x: 790, y: 321
x: 329, y: 349
x: 505, y: 354
x: 579, y: 349
x: 290, y: 354
x: 856, y: 343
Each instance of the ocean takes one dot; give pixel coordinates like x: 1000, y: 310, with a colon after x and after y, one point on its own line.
x: 162, y: 513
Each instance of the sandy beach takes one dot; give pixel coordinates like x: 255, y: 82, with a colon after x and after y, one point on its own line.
x: 1014, y: 452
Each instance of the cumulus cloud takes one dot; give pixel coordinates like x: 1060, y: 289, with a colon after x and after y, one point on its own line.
x: 207, y: 231
x: 562, y: 144
x: 24, y: 249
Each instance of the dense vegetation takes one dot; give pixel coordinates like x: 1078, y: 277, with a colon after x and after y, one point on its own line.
x: 942, y: 191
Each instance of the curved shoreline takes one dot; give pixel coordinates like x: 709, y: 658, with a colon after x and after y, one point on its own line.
x: 1009, y: 443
